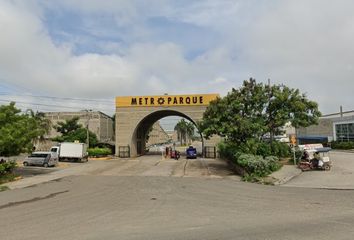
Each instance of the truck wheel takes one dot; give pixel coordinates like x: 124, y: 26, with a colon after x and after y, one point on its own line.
x: 25, y: 163
x: 45, y: 165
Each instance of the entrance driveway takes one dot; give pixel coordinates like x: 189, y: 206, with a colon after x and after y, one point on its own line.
x: 341, y: 176
x: 153, y: 165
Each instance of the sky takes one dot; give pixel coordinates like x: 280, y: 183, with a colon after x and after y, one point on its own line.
x: 67, y: 55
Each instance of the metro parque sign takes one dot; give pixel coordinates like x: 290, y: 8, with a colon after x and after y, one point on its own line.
x: 165, y: 100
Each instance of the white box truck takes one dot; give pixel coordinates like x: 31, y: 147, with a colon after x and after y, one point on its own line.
x: 70, y: 151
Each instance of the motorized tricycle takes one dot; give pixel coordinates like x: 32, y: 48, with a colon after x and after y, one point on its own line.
x: 316, y: 159
x: 175, y: 154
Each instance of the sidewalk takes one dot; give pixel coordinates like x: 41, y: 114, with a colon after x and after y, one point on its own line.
x: 285, y: 174
x: 76, y: 170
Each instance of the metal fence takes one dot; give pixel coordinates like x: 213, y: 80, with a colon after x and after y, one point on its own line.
x: 210, y: 152
x: 124, y: 151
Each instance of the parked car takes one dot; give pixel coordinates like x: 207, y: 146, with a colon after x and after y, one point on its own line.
x: 191, y: 152
x: 45, y: 159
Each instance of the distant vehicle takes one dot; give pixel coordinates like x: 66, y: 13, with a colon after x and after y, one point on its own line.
x: 175, y: 154
x: 68, y: 151
x: 316, y: 159
x: 45, y: 159
x: 191, y: 152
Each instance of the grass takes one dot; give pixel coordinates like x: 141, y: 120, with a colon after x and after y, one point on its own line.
x: 3, y: 188
x: 7, y: 178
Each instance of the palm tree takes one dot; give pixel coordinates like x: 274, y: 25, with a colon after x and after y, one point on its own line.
x: 178, y: 129
x: 43, y: 123
x: 190, y: 131
x: 184, y: 129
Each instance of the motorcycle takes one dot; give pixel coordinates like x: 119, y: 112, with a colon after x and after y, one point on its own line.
x: 317, y: 159
x: 175, y: 154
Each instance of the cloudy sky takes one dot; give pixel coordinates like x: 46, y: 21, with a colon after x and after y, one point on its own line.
x: 80, y: 54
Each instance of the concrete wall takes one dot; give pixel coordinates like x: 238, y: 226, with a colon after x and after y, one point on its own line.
x: 323, y: 129
x: 98, y: 123
x: 157, y: 135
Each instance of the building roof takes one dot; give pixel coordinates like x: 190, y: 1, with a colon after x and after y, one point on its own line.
x: 337, y: 115
x: 77, y: 112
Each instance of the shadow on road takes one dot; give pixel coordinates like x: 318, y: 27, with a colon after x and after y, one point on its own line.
x: 32, y: 171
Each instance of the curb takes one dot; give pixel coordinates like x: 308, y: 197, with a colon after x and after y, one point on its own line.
x: 99, y: 158
x: 282, y: 180
x: 343, y: 151
x: 285, y: 180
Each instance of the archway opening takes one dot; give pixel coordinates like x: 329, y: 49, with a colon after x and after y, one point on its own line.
x: 166, y: 128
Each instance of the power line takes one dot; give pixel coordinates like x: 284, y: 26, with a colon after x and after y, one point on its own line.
x: 41, y: 104
x: 60, y: 98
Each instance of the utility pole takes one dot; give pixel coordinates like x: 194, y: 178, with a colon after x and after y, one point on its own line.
x: 271, y: 137
x: 87, y: 128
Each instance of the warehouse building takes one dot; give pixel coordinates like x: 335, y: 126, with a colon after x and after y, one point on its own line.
x: 157, y: 135
x: 331, y: 127
x: 97, y: 122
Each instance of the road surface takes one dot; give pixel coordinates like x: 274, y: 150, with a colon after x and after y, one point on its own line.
x: 147, y: 198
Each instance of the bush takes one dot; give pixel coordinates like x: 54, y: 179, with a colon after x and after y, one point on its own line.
x: 254, y: 157
x: 257, y: 166
x: 264, y: 149
x: 228, y: 150
x: 342, y: 145
x: 99, y: 152
x: 280, y: 149
x: 7, y: 167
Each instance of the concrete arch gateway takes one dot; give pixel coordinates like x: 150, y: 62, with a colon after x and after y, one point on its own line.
x: 136, y: 114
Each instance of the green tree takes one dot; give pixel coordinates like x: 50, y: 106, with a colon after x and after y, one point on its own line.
x: 238, y: 116
x: 288, y: 105
x: 72, y: 131
x: 184, y: 130
x: 17, y: 131
x: 181, y: 130
x: 256, y: 109
x: 44, y: 124
x: 190, y: 131
x: 69, y: 126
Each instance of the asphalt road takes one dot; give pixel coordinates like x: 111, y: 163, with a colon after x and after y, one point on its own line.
x: 138, y: 207
x: 155, y: 198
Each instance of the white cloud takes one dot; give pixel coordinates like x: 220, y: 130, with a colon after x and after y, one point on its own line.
x: 219, y: 80
x: 305, y: 44
x: 308, y: 45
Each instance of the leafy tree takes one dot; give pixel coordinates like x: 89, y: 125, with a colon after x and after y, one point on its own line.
x: 288, y: 105
x: 180, y: 131
x: 184, y: 129
x: 68, y: 126
x: 72, y: 131
x: 238, y: 116
x: 17, y: 131
x: 44, y: 124
x: 256, y: 109
x: 190, y: 130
